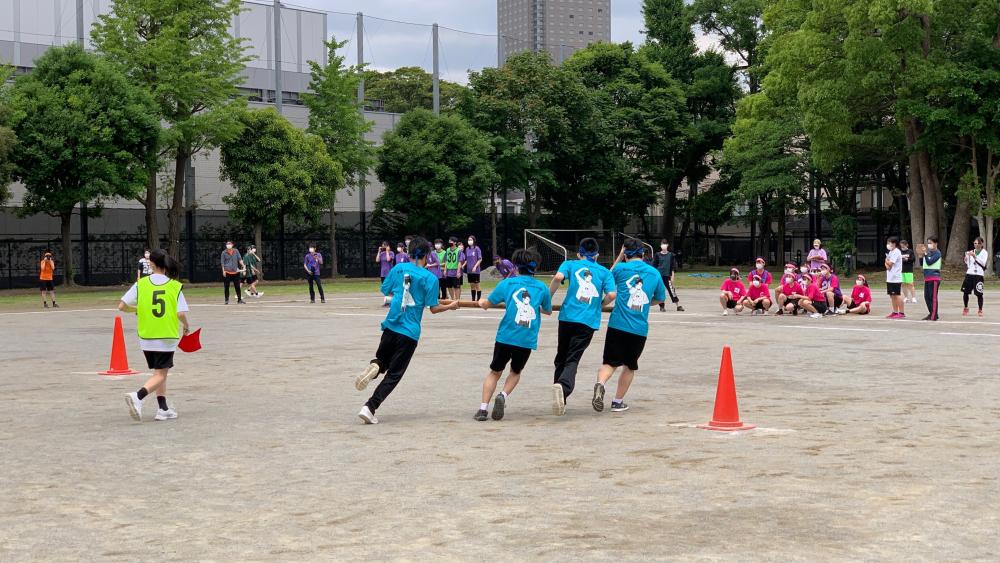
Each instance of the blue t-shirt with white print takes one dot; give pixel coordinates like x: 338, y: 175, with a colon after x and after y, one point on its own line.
x: 524, y: 295
x: 588, y: 282
x: 638, y: 285
x: 413, y: 289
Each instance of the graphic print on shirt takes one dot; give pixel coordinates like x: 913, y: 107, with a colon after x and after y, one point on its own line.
x: 637, y: 297
x: 586, y: 291
x: 525, y: 312
x: 407, y: 297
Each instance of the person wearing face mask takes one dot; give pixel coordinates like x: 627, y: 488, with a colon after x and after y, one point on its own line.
x: 46, y: 271
x: 434, y: 259
x: 313, y: 263
x: 829, y: 284
x: 252, y: 263
x: 401, y: 256
x: 817, y: 256
x: 803, y: 270
x: 758, y: 297
x: 232, y: 267
x: 145, y: 267
x: 463, y: 265
x: 759, y: 271
x: 664, y: 262
x: 909, y: 260
x: 931, y: 264
x: 811, y: 298
x: 474, y: 265
x: 975, y: 261
x: 894, y: 278
x: 453, y: 259
x: 860, y: 300
x: 733, y: 293
x: 504, y: 267
x: 786, y: 297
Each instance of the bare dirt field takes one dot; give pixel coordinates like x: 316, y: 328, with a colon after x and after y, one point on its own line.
x: 878, y: 440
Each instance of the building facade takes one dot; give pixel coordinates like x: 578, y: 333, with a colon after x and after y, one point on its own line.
x: 558, y: 27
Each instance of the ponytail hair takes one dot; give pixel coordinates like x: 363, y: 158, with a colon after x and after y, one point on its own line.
x: 165, y: 262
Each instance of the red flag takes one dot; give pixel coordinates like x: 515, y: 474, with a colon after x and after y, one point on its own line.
x: 191, y: 342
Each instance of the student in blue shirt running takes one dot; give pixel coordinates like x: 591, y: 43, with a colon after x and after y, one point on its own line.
x: 639, y: 287
x: 517, y: 334
x: 591, y: 287
x: 412, y: 289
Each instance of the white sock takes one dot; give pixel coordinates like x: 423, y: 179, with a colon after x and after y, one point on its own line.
x: 504, y: 393
x: 484, y: 406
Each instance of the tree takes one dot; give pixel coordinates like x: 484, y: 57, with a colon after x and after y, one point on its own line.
x: 181, y: 50
x: 713, y: 208
x: 410, y: 87
x: 86, y: 134
x: 8, y: 140
x: 277, y: 171
x: 739, y: 24
x: 336, y: 117
x: 436, y: 172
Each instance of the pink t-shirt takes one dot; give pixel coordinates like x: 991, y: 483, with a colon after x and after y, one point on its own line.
x: 736, y: 287
x: 757, y: 292
x: 789, y: 288
x: 861, y: 294
x: 814, y: 293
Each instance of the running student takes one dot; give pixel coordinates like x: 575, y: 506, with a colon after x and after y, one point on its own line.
x: 638, y: 287
x: 894, y: 278
x: 591, y: 287
x: 758, y: 296
x: 145, y: 267
x: 474, y: 262
x: 160, y: 308
x: 975, y: 261
x: 909, y: 259
x: 733, y: 292
x: 46, y: 271
x: 930, y: 263
x: 434, y: 258
x: 664, y: 262
x: 412, y: 289
x: 517, y: 335
x: 232, y: 265
x: 860, y: 300
x: 252, y: 263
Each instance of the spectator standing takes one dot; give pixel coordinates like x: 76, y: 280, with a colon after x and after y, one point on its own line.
x: 232, y: 267
x: 313, y: 263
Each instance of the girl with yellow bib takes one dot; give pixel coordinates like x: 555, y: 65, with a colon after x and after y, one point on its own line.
x: 160, y: 307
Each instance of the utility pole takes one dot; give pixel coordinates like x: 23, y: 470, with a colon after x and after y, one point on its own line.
x: 437, y: 74
x: 84, y: 223
x: 363, y: 180
x: 277, y: 55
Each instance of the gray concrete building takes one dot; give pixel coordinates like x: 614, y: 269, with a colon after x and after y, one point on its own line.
x: 559, y: 27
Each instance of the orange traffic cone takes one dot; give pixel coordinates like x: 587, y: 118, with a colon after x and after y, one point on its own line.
x: 119, y: 359
x: 726, y: 417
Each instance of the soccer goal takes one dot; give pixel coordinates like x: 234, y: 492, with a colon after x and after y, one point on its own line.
x: 619, y: 239
x: 557, y: 245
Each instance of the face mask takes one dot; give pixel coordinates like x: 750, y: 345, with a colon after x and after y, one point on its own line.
x: 760, y: 266
x: 663, y: 247
x: 229, y: 247
x: 859, y: 282
x: 312, y: 250
x: 734, y: 277
x: 437, y: 246
x: 756, y: 283
x: 146, y: 255
x: 816, y: 246
x: 789, y: 279
x: 804, y: 270
x: 888, y: 247
x: 471, y: 242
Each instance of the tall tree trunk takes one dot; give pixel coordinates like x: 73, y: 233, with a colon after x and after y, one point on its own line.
x: 961, y: 227
x: 718, y: 246
x: 65, y: 222
x: 781, y: 236
x: 992, y: 174
x: 152, y: 227
x: 493, y: 222
x: 176, y: 213
x: 258, y: 240
x: 333, y: 239
x: 669, y: 209
x: 915, y: 192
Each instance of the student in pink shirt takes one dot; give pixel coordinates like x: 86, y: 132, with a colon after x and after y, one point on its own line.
x: 758, y: 296
x: 788, y: 286
x: 860, y: 301
x: 830, y: 285
x: 812, y: 298
x: 733, y: 293
x: 764, y: 275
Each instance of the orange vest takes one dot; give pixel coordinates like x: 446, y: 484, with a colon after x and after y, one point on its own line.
x: 46, y: 268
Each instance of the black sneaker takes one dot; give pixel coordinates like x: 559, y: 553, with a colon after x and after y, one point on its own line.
x: 828, y: 312
x: 481, y: 415
x: 322, y: 300
x: 55, y: 305
x: 598, y: 401
x: 227, y: 302
x: 927, y: 318
x: 498, y: 404
x: 46, y: 305
x: 780, y: 312
x: 313, y: 301
x: 619, y: 407
x: 679, y: 308
x: 662, y: 308
x: 241, y: 302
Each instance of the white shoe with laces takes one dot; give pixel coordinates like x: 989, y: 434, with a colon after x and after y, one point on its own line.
x: 370, y: 373
x: 134, y: 405
x: 168, y: 414
x: 816, y: 315
x: 725, y: 313
x: 367, y: 416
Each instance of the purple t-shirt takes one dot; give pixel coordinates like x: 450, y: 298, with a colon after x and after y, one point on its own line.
x: 506, y: 268
x: 813, y: 254
x: 402, y: 257
x: 385, y: 263
x: 473, y: 255
x: 312, y: 262
x: 434, y: 264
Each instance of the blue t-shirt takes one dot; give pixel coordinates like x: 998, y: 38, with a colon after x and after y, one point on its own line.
x: 589, y: 282
x: 413, y: 289
x: 524, y: 296
x: 638, y: 285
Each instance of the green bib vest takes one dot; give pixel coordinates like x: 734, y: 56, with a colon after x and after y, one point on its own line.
x: 935, y: 266
x: 451, y: 259
x: 156, y: 310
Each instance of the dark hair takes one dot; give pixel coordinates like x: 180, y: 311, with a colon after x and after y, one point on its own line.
x: 474, y: 239
x: 904, y: 241
x: 402, y: 244
x: 633, y: 248
x: 385, y: 243
x: 664, y: 241
x: 165, y: 262
x: 894, y: 240
x: 419, y: 248
x: 526, y: 261
x: 452, y: 240
x: 932, y: 239
x: 980, y: 240
x: 589, y: 246
x: 437, y: 240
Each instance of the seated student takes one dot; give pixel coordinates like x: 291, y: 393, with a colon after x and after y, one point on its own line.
x: 759, y: 271
x: 733, y: 292
x: 860, y: 300
x: 783, y: 295
x: 811, y: 297
x: 803, y: 269
x: 829, y: 284
x: 758, y: 296
x: 798, y: 294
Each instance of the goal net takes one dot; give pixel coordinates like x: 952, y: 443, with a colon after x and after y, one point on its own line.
x: 557, y: 245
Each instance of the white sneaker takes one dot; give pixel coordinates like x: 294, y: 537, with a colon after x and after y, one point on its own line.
x: 816, y: 315
x: 725, y: 313
x: 258, y: 294
x: 168, y: 414
x: 558, y: 400
x: 370, y: 373
x: 134, y: 405
x: 367, y: 416
x: 249, y: 293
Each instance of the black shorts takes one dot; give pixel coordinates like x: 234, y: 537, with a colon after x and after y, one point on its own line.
x: 249, y: 279
x: 731, y: 304
x: 452, y: 282
x: 159, y: 360
x: 474, y: 278
x: 505, y: 353
x: 972, y: 283
x: 382, y: 279
x: 838, y: 300
x: 820, y: 306
x: 894, y: 288
x: 623, y: 348
x: 759, y: 306
x: 793, y: 301
x: 46, y: 285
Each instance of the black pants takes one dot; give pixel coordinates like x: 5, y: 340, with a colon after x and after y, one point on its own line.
x: 931, y: 297
x: 574, y: 338
x: 314, y: 278
x: 972, y: 284
x: 393, y: 357
x: 442, y: 289
x: 669, y: 282
x: 235, y: 280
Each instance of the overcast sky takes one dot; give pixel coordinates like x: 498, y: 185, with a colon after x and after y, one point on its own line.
x: 391, y: 45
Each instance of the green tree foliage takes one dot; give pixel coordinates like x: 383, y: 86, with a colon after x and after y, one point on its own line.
x: 277, y: 171
x: 739, y: 25
x: 410, y: 87
x: 86, y: 134
x: 7, y: 138
x: 182, y: 52
x: 436, y: 171
x: 335, y: 117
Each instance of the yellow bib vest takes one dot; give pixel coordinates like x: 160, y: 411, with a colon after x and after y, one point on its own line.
x: 156, y: 310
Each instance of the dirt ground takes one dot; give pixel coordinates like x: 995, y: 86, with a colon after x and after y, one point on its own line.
x: 878, y: 441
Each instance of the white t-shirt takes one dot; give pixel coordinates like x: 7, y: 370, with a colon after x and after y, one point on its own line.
x: 895, y: 273
x: 982, y: 256
x: 131, y: 298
